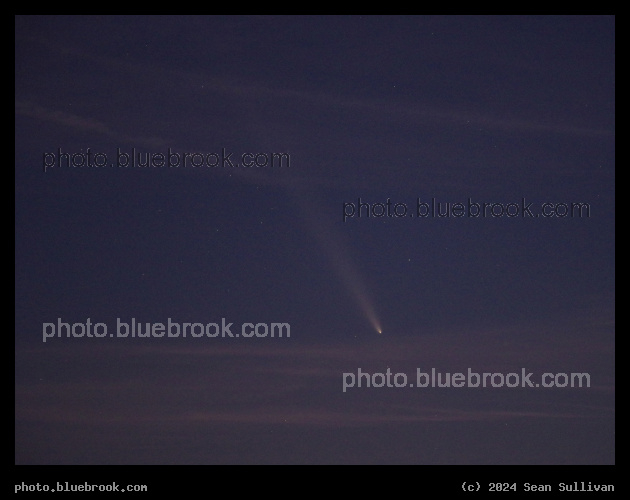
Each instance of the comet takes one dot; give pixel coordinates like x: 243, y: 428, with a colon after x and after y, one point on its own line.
x: 332, y: 244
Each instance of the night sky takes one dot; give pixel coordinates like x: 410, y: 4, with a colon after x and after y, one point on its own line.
x: 456, y: 109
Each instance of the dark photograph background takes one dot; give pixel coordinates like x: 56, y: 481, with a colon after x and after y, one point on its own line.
x: 456, y: 109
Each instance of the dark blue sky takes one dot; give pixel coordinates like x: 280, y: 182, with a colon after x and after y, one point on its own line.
x: 495, y: 109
